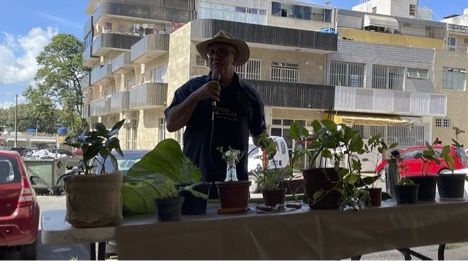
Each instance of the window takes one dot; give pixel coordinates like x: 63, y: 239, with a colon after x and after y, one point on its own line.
x: 374, y: 10
x: 452, y: 44
x: 250, y: 70
x: 347, y: 74
x: 442, y: 123
x: 284, y: 72
x: 387, y: 77
x: 157, y: 73
x: 412, y: 10
x: 417, y: 73
x: 453, y: 79
x: 200, y: 61
x: 280, y: 127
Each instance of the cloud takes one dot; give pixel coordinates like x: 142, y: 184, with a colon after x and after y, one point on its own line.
x: 18, y: 55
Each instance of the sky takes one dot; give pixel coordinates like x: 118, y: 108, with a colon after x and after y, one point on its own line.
x: 26, y: 26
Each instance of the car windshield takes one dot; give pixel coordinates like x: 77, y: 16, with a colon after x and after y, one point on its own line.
x: 123, y: 163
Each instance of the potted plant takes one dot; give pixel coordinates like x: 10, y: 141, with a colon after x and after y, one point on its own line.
x: 85, y: 190
x: 426, y: 181
x: 270, y: 178
x: 168, y: 204
x: 233, y: 193
x: 166, y: 161
x: 406, y: 191
x: 451, y: 185
x: 338, y: 185
x: 376, y: 147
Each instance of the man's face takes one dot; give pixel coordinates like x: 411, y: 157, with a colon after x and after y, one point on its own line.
x: 221, y: 57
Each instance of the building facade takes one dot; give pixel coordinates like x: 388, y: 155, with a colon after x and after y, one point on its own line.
x: 381, y: 73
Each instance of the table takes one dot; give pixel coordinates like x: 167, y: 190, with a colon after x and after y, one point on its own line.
x: 294, y: 234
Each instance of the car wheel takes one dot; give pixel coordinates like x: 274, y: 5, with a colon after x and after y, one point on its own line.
x: 254, y: 186
x: 29, y: 252
x: 382, y: 174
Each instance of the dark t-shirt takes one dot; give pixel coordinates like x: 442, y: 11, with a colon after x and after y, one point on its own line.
x: 238, y: 114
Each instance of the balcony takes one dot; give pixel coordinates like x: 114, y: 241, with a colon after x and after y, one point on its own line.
x: 100, y: 107
x: 119, y: 102
x: 150, y: 47
x: 294, y: 95
x: 149, y: 11
x: 88, y: 58
x: 390, y: 102
x: 268, y: 36
x: 122, y: 64
x: 148, y: 96
x: 107, y: 42
x: 85, y: 82
x: 101, y: 73
x: 85, y: 111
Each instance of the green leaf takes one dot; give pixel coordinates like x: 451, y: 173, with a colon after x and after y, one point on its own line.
x: 166, y: 160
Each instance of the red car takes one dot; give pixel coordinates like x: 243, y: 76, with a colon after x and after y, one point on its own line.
x: 19, y: 210
x: 414, y: 164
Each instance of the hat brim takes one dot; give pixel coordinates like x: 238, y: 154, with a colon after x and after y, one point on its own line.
x: 243, y: 50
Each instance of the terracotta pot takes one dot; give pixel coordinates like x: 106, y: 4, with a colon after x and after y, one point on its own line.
x: 406, y: 194
x: 195, y: 205
x: 85, y: 192
x: 168, y: 209
x: 451, y: 186
x: 234, y: 194
x: 427, y: 187
x: 322, y: 180
x: 375, y: 197
x: 274, y: 197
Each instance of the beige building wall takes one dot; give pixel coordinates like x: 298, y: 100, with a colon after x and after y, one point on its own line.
x: 457, y: 105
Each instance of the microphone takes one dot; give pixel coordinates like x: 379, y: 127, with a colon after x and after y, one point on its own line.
x: 215, y: 76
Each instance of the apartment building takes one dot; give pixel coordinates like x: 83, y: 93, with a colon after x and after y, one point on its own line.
x: 379, y: 75
x: 142, y: 51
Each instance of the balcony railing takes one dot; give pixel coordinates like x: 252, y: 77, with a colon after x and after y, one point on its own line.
x: 148, y: 95
x: 143, y: 11
x: 305, y: 40
x: 119, y: 101
x: 389, y: 102
x: 106, y: 42
x: 85, y: 111
x: 85, y: 82
x: 122, y: 63
x: 101, y: 73
x: 294, y: 95
x: 150, y: 47
x: 100, y: 107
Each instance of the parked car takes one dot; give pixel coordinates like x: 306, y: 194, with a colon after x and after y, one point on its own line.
x: 19, y: 209
x: 414, y: 164
x: 124, y: 163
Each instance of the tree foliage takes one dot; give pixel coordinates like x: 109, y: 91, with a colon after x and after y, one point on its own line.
x: 26, y: 119
x: 58, y: 80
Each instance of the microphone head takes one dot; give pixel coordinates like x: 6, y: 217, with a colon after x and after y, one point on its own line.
x: 215, y: 76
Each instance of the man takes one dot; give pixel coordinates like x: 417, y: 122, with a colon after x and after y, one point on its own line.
x: 219, y: 110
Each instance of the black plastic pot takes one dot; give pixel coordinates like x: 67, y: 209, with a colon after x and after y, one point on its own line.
x: 195, y: 205
x: 168, y: 209
x: 451, y: 186
x: 406, y: 194
x: 427, y: 187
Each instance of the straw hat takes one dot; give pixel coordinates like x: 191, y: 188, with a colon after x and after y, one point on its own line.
x: 243, y: 51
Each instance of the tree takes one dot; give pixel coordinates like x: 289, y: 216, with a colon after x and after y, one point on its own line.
x: 59, y: 80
